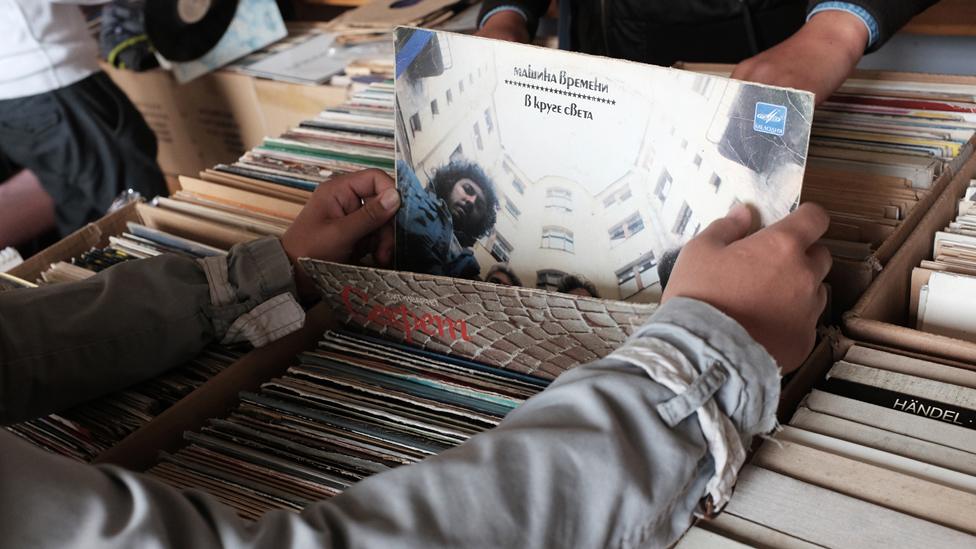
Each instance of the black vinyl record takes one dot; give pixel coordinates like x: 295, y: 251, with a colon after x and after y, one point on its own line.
x: 184, y: 30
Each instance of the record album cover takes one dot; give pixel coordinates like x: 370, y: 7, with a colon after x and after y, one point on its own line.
x: 256, y: 24
x: 562, y: 171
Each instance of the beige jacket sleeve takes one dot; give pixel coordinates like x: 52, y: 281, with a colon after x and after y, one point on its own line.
x: 604, y: 457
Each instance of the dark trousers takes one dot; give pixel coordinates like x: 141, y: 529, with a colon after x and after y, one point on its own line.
x: 86, y: 143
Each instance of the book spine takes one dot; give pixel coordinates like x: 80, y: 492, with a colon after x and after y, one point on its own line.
x: 901, y: 402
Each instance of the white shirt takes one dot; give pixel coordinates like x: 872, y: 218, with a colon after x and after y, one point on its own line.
x: 44, y: 46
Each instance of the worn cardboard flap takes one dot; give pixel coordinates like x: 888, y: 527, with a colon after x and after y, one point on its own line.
x: 882, y: 313
x: 92, y: 235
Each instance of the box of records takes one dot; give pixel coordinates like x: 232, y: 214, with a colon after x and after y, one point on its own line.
x: 880, y: 452
x: 92, y: 235
x: 355, y: 406
x: 882, y: 150
x: 258, y: 195
x: 120, y: 427
x: 923, y: 299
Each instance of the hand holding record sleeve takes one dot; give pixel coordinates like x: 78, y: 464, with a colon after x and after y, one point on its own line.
x: 346, y: 219
x: 770, y: 282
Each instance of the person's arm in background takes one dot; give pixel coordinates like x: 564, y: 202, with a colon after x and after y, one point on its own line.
x: 618, y: 452
x: 68, y: 343
x: 511, y: 20
x: 824, y: 52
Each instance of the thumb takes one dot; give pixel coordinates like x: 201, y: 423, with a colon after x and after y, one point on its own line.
x: 736, y: 225
x: 375, y: 213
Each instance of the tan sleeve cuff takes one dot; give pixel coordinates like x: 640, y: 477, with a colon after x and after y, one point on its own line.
x: 252, y: 293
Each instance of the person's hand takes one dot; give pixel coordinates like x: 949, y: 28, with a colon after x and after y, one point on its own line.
x: 505, y: 25
x: 347, y: 218
x: 818, y: 58
x: 771, y: 282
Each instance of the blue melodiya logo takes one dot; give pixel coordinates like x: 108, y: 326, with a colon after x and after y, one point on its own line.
x: 770, y: 118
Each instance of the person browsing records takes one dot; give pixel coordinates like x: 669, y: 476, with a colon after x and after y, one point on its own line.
x: 806, y: 44
x: 588, y: 462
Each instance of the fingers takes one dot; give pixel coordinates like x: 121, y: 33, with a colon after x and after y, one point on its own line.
x: 368, y: 183
x: 734, y: 226
x: 383, y: 254
x: 820, y: 261
x: 375, y: 213
x: 806, y: 225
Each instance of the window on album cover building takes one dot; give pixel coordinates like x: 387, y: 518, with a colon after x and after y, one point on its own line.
x: 637, y: 275
x: 415, y: 123
x: 450, y: 96
x: 457, y: 154
x: 461, y: 86
x: 548, y: 279
x: 557, y: 238
x: 501, y: 249
x: 519, y: 186
x: 434, y: 109
x: 715, y: 181
x: 620, y: 195
x: 477, y: 137
x: 557, y: 197
x: 684, y: 216
x: 663, y: 186
x: 488, y: 123
x: 698, y: 161
x: 627, y: 228
x: 511, y: 208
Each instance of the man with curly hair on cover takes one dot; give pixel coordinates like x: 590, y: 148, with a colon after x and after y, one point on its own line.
x: 437, y: 225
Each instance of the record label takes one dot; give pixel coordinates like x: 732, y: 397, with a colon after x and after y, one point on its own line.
x: 192, y: 11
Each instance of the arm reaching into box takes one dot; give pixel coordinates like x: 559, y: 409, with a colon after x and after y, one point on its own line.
x: 68, y: 343
x: 621, y: 451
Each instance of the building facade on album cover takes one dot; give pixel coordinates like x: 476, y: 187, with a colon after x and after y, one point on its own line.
x: 597, y: 167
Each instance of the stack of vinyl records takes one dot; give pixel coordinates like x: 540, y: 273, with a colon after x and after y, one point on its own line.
x: 943, y: 298
x: 87, y: 430
x: 883, y: 455
x: 340, y: 140
x: 353, y: 136
x: 312, y: 56
x: 262, y: 192
x: 877, y: 147
x: 355, y: 407
x: 139, y: 242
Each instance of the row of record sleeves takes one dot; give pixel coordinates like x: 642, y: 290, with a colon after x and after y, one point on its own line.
x: 348, y: 409
x: 881, y: 453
